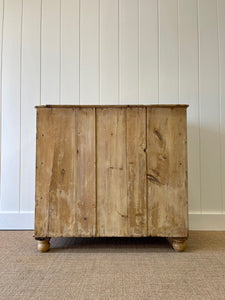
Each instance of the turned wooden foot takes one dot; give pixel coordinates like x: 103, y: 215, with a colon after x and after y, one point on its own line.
x: 43, y: 245
x: 178, y: 244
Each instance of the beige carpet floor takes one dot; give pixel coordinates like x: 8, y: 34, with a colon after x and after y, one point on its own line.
x: 112, y: 268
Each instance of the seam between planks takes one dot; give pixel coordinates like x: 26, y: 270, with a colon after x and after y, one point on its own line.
x: 146, y: 166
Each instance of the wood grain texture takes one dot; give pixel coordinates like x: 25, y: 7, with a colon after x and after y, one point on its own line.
x: 44, y: 159
x: 85, y: 178
x: 136, y: 171
x: 112, y: 210
x: 167, y: 172
x: 98, y: 157
x: 61, y: 220
x: 65, y: 177
x: 55, y: 189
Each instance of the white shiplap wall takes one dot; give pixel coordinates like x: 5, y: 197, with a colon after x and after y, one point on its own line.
x: 110, y: 52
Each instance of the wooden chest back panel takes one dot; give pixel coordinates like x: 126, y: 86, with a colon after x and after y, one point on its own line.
x: 104, y: 171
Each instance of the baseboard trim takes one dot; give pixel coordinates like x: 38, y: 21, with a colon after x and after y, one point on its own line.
x: 17, y: 220
x: 197, y: 221
x: 206, y: 221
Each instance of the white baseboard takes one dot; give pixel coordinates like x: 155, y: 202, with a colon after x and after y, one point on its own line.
x: 207, y: 221
x: 197, y: 221
x: 17, y: 221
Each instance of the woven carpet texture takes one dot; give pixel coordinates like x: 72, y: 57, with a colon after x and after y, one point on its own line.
x: 112, y: 268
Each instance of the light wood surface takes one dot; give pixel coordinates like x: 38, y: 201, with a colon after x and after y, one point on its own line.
x: 55, y: 173
x: 167, y: 172
x: 112, y: 171
x: 136, y: 171
x: 43, y: 245
x: 85, y: 185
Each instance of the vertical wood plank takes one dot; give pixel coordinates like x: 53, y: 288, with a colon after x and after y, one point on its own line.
x: 221, y: 27
x: 136, y: 172
x: 148, y: 52
x: 62, y: 183
x: 30, y: 96
x: 209, y: 107
x: 10, y: 159
x: 109, y: 52
x: 188, y: 52
x: 55, y: 183
x: 111, y: 172
x: 129, y: 51
x: 44, y: 164
x: 168, y: 51
x: 89, y: 52
x: 167, y: 172
x: 50, y: 52
x: 85, y: 184
x: 70, y: 52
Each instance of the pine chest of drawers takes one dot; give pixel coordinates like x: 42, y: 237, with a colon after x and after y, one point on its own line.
x: 106, y: 171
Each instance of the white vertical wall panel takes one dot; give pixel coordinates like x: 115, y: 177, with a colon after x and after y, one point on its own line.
x: 70, y: 52
x: 89, y: 52
x: 221, y: 30
x: 30, y: 96
x: 109, y: 63
x: 11, y: 52
x: 148, y: 52
x: 110, y: 52
x: 168, y: 51
x: 129, y: 51
x: 50, y: 52
x: 188, y: 54
x: 209, y: 106
x: 1, y: 31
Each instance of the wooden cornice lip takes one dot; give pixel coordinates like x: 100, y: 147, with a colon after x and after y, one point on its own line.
x: 114, y: 106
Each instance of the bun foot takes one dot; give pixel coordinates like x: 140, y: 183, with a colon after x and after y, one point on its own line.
x: 178, y: 244
x: 43, y: 246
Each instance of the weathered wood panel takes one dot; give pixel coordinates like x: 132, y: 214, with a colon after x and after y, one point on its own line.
x: 167, y: 172
x: 85, y: 179
x: 136, y: 171
x: 62, y: 184
x: 44, y: 157
x: 65, y: 180
x: 55, y: 174
x: 84, y: 153
x: 111, y: 172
